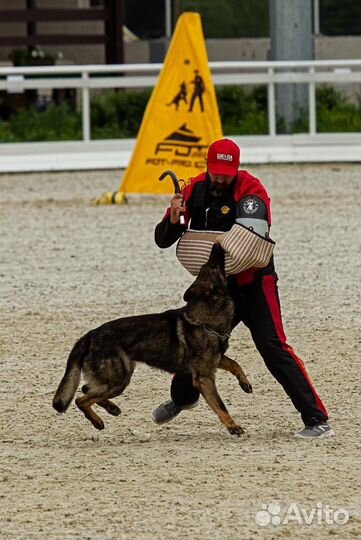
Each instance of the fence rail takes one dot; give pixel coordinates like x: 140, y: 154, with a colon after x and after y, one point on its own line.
x: 88, y: 77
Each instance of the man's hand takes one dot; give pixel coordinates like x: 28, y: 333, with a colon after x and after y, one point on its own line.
x: 176, y: 208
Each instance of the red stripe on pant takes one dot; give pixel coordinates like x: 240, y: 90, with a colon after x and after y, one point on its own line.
x: 269, y: 290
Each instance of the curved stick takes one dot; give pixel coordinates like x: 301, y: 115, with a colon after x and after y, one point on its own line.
x: 173, y: 176
x: 177, y: 188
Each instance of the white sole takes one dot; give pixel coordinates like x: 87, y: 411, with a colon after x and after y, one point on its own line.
x: 325, y: 435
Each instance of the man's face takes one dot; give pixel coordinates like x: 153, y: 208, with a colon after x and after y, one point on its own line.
x: 220, y: 183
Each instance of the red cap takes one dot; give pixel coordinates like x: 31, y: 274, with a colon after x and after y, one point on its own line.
x: 223, y: 157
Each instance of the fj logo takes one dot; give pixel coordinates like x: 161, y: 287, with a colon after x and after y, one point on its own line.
x: 225, y: 157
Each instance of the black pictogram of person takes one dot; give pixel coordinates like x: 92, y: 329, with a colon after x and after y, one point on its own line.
x: 198, y: 90
x: 180, y: 96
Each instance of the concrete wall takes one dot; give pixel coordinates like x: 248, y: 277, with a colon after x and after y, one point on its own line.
x: 338, y: 47
x: 326, y: 48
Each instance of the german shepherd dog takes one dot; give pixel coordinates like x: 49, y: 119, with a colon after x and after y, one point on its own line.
x: 191, y: 339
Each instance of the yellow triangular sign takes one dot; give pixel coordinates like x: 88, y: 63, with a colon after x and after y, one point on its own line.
x: 181, y: 118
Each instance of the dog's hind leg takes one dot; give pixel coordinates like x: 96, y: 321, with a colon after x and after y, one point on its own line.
x: 110, y: 407
x: 92, y: 397
x: 105, y: 377
x: 84, y: 403
x: 101, y: 397
x: 233, y: 367
x: 106, y: 404
x: 207, y: 386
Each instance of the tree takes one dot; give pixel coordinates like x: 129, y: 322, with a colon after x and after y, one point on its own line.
x: 340, y: 18
x: 145, y: 19
x: 220, y: 18
x: 230, y: 18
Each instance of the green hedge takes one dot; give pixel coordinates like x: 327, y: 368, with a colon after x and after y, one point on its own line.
x: 335, y: 113
x: 118, y: 115
x: 53, y: 124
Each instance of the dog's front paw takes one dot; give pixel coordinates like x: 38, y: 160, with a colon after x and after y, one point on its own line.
x: 235, y: 430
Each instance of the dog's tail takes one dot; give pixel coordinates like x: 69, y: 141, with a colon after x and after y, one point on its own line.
x: 70, y: 381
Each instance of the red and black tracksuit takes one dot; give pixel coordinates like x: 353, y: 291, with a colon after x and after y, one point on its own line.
x: 254, y: 292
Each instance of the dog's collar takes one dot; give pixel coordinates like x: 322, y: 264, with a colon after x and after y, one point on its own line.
x: 195, y: 322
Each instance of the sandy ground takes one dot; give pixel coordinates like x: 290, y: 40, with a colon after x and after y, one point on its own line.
x: 67, y: 266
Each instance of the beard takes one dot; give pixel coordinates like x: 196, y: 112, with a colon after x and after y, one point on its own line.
x: 220, y: 190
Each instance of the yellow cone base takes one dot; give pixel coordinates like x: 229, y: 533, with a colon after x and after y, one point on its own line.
x: 111, y: 197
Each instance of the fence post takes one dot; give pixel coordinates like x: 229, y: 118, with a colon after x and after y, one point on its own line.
x: 271, y: 105
x: 85, y: 107
x: 312, y: 104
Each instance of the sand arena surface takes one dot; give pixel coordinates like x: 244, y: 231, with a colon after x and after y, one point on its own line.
x: 67, y: 266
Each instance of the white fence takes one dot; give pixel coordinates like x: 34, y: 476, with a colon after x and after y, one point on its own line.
x: 88, y: 77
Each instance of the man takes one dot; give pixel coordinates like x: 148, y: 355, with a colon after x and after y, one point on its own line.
x: 214, y: 200
x: 198, y: 91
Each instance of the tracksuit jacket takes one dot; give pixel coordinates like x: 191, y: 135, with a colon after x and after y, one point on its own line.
x: 254, y: 291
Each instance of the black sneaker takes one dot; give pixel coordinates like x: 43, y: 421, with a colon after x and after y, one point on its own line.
x: 167, y: 411
x: 318, y: 431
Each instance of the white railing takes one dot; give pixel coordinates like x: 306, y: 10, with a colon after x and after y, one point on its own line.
x: 88, y: 77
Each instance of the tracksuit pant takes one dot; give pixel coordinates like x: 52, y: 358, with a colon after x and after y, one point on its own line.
x: 258, y: 307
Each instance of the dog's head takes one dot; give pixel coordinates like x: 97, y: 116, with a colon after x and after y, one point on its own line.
x: 211, y: 280
x: 208, y: 298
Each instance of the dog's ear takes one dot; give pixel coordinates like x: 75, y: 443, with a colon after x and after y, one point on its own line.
x: 189, y: 294
x: 197, y: 290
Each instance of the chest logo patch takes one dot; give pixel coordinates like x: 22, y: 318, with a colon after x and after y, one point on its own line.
x: 250, y: 205
x: 225, y: 209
